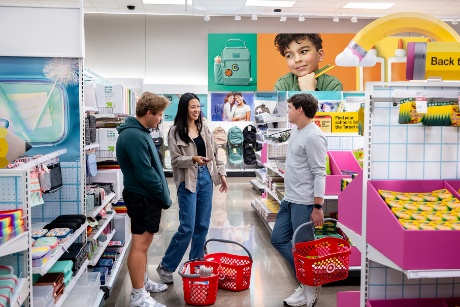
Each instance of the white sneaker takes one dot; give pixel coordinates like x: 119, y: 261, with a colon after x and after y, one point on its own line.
x: 312, y: 294
x: 143, y: 299
x: 151, y: 286
x: 298, y: 298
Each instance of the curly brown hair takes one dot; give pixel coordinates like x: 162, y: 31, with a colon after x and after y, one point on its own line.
x: 282, y: 40
x: 152, y: 102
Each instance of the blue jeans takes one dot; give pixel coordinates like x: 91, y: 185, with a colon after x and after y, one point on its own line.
x: 290, y: 217
x: 194, y: 217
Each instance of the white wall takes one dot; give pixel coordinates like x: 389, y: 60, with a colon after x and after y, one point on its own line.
x: 170, y: 52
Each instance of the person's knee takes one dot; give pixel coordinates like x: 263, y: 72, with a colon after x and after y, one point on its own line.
x: 142, y: 242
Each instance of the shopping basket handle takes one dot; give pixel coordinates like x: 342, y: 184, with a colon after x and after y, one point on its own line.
x: 227, y: 241
x: 306, y: 224
x: 188, y: 275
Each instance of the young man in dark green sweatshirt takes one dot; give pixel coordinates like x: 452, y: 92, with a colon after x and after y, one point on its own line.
x: 145, y: 191
x: 303, y: 52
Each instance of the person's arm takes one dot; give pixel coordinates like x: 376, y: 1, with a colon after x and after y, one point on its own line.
x: 308, y: 82
x: 248, y: 115
x: 177, y: 158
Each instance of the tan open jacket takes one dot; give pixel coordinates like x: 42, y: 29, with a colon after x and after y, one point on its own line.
x: 181, y: 159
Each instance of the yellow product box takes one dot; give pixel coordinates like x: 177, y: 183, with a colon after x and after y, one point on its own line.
x: 427, y: 225
x: 402, y: 196
x: 452, y: 203
x: 416, y: 197
x: 410, y: 205
x: 395, y: 204
x: 410, y: 224
x: 455, y: 225
x: 426, y: 207
x: 402, y: 213
x: 449, y: 216
x: 443, y: 194
x: 434, y: 217
x: 440, y: 207
x: 443, y: 226
x: 429, y: 197
x: 419, y: 216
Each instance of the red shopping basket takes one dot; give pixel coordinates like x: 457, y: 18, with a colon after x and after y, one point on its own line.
x: 199, y: 290
x: 321, y: 261
x: 235, y: 270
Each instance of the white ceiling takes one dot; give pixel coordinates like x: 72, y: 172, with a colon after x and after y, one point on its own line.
x: 444, y: 9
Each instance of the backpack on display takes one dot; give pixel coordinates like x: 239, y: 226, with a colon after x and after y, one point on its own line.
x: 250, y: 145
x: 235, y: 65
x: 220, y: 137
x: 235, y: 145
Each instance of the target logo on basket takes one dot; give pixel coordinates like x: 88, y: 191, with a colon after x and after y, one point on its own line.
x: 330, y: 268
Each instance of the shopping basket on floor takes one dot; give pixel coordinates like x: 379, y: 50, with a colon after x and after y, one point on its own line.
x: 200, y: 280
x: 320, y: 261
x: 235, y: 270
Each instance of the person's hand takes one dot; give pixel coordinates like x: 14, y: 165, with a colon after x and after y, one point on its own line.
x: 308, y: 82
x: 317, y: 216
x: 200, y: 160
x: 223, y: 186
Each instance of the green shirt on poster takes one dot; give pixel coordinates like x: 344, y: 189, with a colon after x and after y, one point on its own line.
x: 289, y: 82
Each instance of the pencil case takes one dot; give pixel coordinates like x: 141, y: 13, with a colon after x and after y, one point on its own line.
x: 5, y: 297
x: 52, y: 242
x: 15, y: 214
x: 40, y: 255
x: 59, y: 292
x: 63, y: 234
x: 6, y: 231
x: 72, y: 217
x: 38, y: 233
x: 6, y: 269
x: 62, y: 266
x: 63, y: 224
x: 51, y: 279
x: 5, y: 221
x: 10, y: 277
x: 107, y: 263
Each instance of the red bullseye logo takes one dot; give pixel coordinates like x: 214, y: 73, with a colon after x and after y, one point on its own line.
x: 330, y: 268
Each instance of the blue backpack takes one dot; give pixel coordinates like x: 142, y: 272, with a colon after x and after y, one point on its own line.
x: 235, y: 145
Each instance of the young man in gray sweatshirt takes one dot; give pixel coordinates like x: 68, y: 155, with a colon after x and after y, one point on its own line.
x: 304, y: 183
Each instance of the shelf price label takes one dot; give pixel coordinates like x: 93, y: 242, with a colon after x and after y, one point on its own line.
x: 421, y: 105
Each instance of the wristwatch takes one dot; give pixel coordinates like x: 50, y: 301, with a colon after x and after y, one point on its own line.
x: 318, y: 206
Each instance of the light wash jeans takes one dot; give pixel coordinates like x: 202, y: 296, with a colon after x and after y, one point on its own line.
x: 194, y: 217
x: 290, y: 217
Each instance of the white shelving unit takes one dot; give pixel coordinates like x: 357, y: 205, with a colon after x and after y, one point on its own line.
x: 22, y: 292
x: 99, y: 299
x: 92, y: 146
x: 16, y: 244
x: 117, y: 266
x: 72, y: 283
x: 100, y: 250
x: 107, y: 199
x: 62, y: 248
x: 108, y: 218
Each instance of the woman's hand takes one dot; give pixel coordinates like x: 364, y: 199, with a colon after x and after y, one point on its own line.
x: 223, y: 186
x: 200, y: 160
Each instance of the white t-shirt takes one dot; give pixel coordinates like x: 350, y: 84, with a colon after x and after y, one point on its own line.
x: 228, y: 112
x: 241, y: 112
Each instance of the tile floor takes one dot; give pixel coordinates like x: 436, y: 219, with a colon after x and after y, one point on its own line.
x: 234, y: 219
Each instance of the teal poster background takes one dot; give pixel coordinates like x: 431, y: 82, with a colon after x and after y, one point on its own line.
x: 173, y: 99
x: 237, y: 52
x: 37, y: 109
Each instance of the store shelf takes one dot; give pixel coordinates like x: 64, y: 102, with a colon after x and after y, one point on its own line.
x: 100, y: 229
x: 99, y: 299
x: 270, y: 121
x: 61, y: 250
x: 257, y: 185
x: 268, y: 165
x: 91, y: 109
x: 117, y: 266
x: 21, y: 293
x: 45, y: 158
x: 16, y: 244
x: 92, y: 146
x: 100, y: 250
x: 72, y: 283
x: 342, y: 134
x: 375, y: 255
x: 273, y: 194
x: 355, y: 238
x: 96, y: 210
x: 268, y: 225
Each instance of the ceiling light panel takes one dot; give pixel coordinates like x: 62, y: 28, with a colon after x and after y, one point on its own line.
x: 270, y: 3
x: 368, y: 5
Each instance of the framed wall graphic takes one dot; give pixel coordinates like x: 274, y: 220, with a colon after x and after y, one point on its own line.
x: 232, y: 106
x: 171, y: 111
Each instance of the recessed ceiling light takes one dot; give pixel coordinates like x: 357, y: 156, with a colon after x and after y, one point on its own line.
x: 237, y: 17
x: 301, y: 18
x: 335, y: 19
x: 181, y: 2
x: 270, y: 3
x: 207, y: 18
x: 354, y: 19
x: 254, y: 17
x: 369, y: 6
x: 283, y: 18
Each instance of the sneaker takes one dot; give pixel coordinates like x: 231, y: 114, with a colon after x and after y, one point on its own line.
x: 298, y: 298
x: 312, y: 294
x: 143, y: 299
x: 165, y: 275
x: 151, y: 286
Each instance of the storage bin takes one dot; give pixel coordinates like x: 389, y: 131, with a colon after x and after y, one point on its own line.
x: 339, y: 161
x: 63, y: 234
x: 62, y: 266
x: 43, y: 296
x: 104, y: 271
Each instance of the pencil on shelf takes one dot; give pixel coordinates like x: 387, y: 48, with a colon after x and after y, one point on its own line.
x: 324, y: 70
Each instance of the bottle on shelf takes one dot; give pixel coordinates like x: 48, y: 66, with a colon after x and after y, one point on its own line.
x: 397, y: 64
x: 374, y: 73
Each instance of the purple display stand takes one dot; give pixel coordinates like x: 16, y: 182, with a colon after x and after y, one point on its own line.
x: 348, y: 299
x: 339, y: 160
x: 350, y: 204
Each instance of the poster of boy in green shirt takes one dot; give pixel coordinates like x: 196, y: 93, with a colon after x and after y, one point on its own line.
x: 303, y: 52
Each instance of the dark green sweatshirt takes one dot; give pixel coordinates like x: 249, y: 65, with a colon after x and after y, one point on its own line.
x: 289, y: 82
x: 139, y: 162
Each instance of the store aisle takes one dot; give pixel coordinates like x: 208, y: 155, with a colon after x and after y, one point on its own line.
x: 234, y: 219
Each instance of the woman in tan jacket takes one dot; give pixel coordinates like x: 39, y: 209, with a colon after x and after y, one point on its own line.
x: 195, y: 169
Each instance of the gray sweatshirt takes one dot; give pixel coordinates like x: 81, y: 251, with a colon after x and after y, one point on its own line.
x: 305, y: 170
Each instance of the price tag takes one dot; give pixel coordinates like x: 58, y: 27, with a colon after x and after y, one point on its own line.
x: 421, y: 105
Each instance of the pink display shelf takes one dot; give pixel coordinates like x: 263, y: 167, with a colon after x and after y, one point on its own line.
x: 451, y: 302
x: 409, y: 249
x: 348, y: 299
x: 350, y: 204
x: 408, y: 302
x: 339, y: 160
x: 355, y: 257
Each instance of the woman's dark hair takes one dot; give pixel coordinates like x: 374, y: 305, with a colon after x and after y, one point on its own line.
x: 283, y: 40
x: 307, y: 102
x: 181, y: 119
